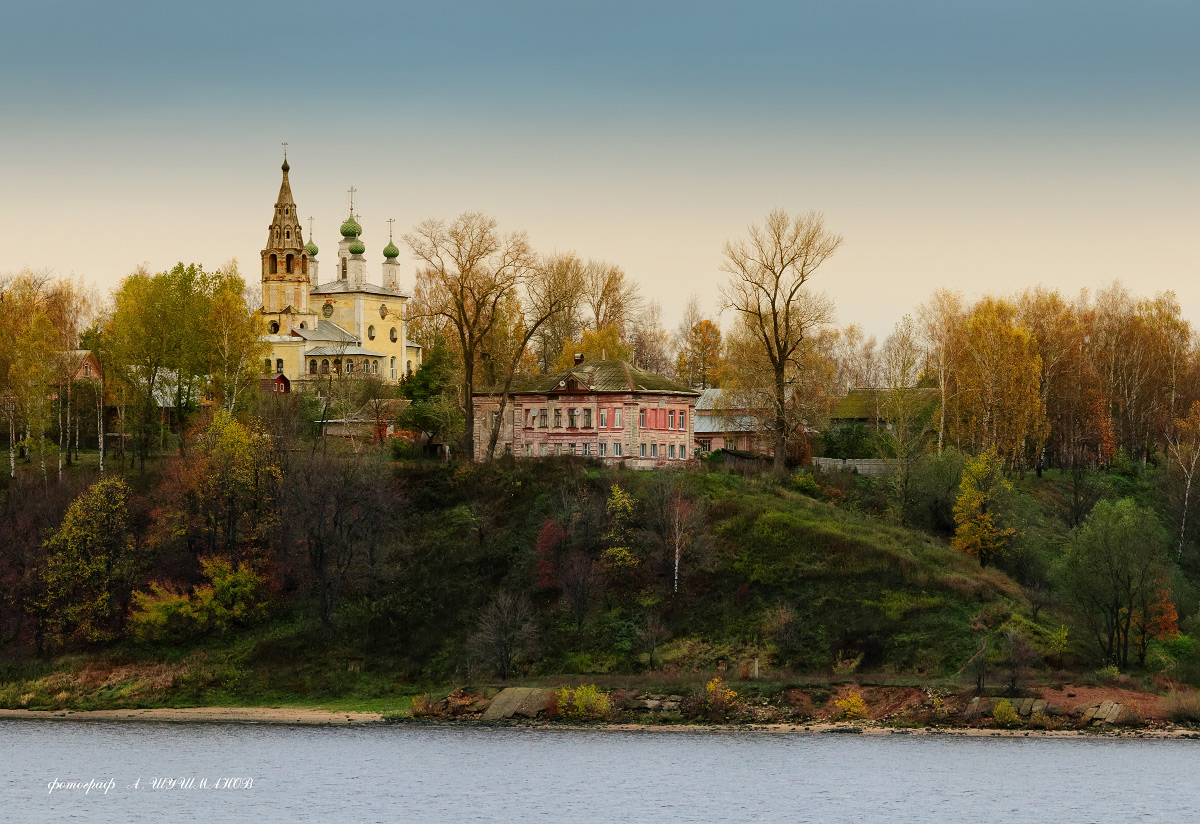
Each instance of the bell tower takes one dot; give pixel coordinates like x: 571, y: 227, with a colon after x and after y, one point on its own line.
x: 285, y: 262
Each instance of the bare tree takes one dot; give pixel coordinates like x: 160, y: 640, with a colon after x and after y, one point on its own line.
x: 767, y: 289
x: 941, y: 322
x: 610, y: 296
x: 506, y: 633
x: 650, y: 341
x: 566, y: 324
x: 903, y: 406
x: 470, y: 269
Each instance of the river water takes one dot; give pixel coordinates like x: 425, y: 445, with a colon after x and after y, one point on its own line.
x: 436, y: 774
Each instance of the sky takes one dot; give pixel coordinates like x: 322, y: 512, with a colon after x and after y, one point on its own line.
x: 984, y: 147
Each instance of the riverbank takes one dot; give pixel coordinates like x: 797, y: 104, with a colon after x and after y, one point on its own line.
x: 308, y: 716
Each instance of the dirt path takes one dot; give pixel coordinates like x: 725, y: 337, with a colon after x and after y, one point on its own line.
x: 253, y: 715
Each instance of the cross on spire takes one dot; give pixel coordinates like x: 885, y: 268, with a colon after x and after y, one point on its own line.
x: 352, y: 190
x: 391, y: 220
x: 310, y: 222
x: 284, y: 150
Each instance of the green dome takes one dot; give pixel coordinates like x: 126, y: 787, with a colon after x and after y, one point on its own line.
x: 356, y: 246
x: 351, y: 228
x: 390, y: 251
x: 311, y: 248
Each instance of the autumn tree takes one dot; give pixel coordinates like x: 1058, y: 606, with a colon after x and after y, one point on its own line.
x: 941, y: 326
x: 566, y: 270
x: 94, y: 562
x: 237, y: 345
x: 981, y: 510
x: 1115, y: 564
x: 1183, y: 445
x: 904, y: 406
x: 601, y: 344
x: 699, y: 360
x: 767, y: 290
x: 610, y: 297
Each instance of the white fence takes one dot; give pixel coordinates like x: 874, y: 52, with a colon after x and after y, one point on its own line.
x: 863, y: 466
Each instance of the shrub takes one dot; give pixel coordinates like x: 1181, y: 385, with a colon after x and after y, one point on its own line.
x: 806, y: 484
x: 719, y: 700
x: 845, y: 664
x: 233, y: 598
x: 1183, y: 707
x: 1107, y: 675
x: 851, y: 706
x: 1005, y: 714
x: 583, y: 703
x: 424, y: 707
x: 1042, y: 721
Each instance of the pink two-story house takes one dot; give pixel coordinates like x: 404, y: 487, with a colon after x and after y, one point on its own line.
x: 607, y: 410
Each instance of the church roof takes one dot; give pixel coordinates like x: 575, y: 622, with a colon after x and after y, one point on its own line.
x: 339, y: 287
x: 326, y: 330
x: 343, y: 351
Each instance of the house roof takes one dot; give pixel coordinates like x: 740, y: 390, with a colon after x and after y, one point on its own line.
x: 341, y: 287
x: 606, y: 376
x: 867, y: 404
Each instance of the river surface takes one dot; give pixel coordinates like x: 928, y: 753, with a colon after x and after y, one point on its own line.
x: 455, y: 775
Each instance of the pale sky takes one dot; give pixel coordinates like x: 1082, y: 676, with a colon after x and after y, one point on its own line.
x: 985, y: 147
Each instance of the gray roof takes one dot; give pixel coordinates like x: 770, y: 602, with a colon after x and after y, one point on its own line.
x: 326, y: 330
x: 607, y: 376
x: 342, y: 351
x: 338, y: 287
x: 717, y: 424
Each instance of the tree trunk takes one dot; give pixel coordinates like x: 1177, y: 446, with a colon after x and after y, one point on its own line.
x: 1187, y: 491
x: 780, y: 463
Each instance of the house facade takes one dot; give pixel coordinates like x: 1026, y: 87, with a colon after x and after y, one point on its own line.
x: 608, y: 410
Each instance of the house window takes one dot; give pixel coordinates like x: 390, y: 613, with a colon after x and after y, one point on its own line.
x: 642, y: 417
x: 279, y: 364
x: 603, y: 418
x: 602, y: 449
x: 643, y: 450
x: 558, y: 449
x: 671, y: 451
x: 542, y: 450
x: 616, y: 449
x: 682, y: 419
x: 571, y: 449
x: 587, y: 418
x: 617, y: 418
x: 682, y: 452
x: 542, y: 418
x: 528, y: 450
x: 573, y: 418
x: 587, y: 449
x: 671, y: 419
x: 653, y: 450
x: 557, y: 418
x: 371, y: 333
x: 312, y: 367
x: 87, y: 370
x: 493, y: 419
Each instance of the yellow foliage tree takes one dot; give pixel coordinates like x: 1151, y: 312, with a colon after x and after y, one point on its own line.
x: 979, y: 511
x: 602, y: 344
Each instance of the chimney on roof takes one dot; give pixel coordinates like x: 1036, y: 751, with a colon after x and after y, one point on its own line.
x: 578, y: 358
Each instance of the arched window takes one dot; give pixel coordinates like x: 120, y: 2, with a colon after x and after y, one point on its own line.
x: 304, y: 264
x: 312, y: 366
x: 279, y: 365
x: 288, y: 233
x: 302, y: 326
x: 337, y: 365
x: 371, y: 333
x: 273, y: 327
x: 394, y: 335
x: 343, y: 268
x: 273, y: 265
x: 349, y: 365
x: 409, y: 367
x: 374, y: 367
x: 290, y: 263
x: 392, y: 365
x: 325, y: 366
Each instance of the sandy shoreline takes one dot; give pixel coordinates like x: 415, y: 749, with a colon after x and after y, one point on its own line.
x: 318, y: 717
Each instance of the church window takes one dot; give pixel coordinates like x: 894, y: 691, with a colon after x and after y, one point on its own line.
x: 312, y: 367
x: 288, y: 234
x: 374, y: 367
x: 290, y: 259
x: 304, y: 264
x: 395, y: 336
x: 343, y: 268
x: 371, y: 333
x: 279, y: 364
x: 408, y: 367
x: 337, y: 365
x: 349, y: 365
x: 324, y: 366
x: 302, y: 326
x: 272, y: 265
x: 273, y: 327
x: 392, y: 365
